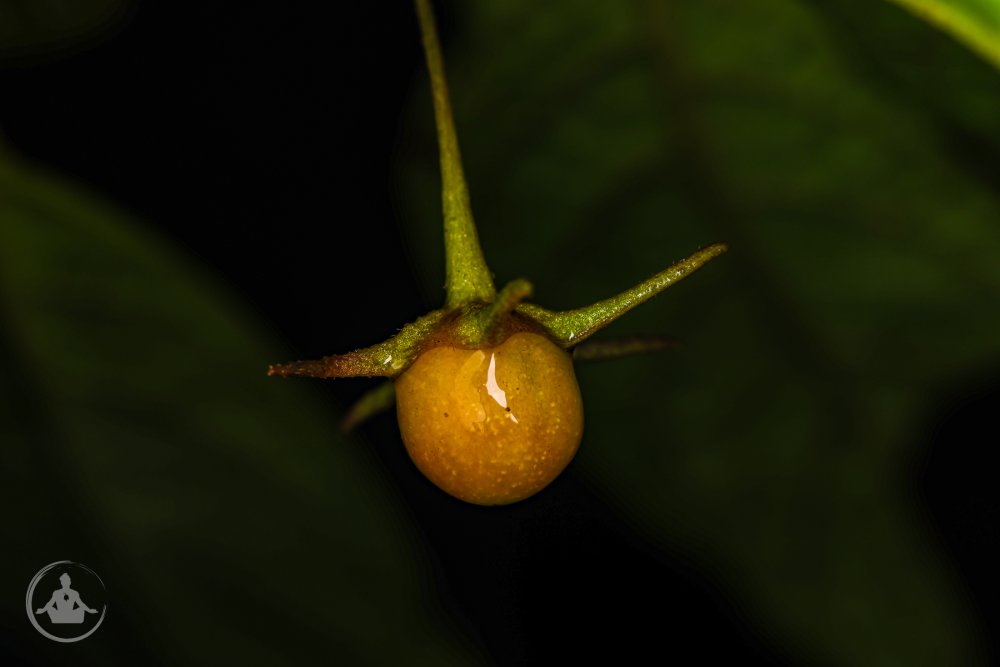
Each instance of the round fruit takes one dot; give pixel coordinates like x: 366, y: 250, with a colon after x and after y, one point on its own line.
x: 493, y: 425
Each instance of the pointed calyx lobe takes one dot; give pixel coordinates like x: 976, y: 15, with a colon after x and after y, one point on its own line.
x: 479, y: 324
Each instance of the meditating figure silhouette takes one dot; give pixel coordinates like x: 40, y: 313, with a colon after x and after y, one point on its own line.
x: 66, y: 605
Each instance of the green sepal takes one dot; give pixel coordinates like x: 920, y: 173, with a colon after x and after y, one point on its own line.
x: 386, y: 359
x: 371, y: 403
x: 614, y: 348
x: 571, y: 327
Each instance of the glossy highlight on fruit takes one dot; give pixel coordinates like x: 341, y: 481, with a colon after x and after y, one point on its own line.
x: 493, y: 425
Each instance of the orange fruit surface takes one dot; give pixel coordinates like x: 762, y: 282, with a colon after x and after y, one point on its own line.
x: 494, y: 425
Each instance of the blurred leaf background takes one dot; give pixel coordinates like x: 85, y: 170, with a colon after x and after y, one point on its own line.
x: 805, y: 482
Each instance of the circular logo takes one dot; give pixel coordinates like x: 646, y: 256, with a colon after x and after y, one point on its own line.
x: 66, y: 601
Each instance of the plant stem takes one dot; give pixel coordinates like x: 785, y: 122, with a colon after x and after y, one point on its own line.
x: 467, y: 278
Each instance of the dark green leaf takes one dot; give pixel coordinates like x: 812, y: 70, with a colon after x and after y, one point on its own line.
x: 32, y: 28
x: 230, y: 520
x: 974, y: 22
x: 850, y: 172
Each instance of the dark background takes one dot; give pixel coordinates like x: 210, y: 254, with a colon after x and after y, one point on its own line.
x: 261, y: 140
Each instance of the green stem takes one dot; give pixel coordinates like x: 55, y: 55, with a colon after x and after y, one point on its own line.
x: 467, y: 278
x: 574, y: 326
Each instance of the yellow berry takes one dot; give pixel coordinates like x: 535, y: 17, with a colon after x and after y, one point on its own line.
x: 492, y: 425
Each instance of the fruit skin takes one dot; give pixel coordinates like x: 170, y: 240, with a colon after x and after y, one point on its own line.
x: 493, y: 425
